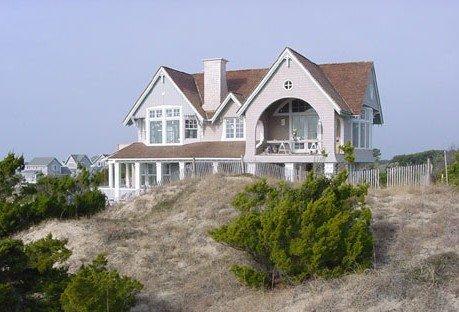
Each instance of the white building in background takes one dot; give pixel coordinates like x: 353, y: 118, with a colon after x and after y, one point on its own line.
x: 99, y: 162
x: 48, y: 166
x: 293, y: 114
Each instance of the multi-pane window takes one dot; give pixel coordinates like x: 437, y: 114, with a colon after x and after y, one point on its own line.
x: 172, y: 131
x: 191, y: 127
x: 298, y: 106
x: 234, y: 128
x: 361, y: 129
x: 156, y: 132
x: 164, y: 125
x: 148, y: 174
x: 293, y: 106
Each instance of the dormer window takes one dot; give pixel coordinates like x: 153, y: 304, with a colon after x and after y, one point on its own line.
x: 234, y: 128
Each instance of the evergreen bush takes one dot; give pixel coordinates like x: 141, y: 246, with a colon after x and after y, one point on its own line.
x: 95, y: 288
x: 321, y: 228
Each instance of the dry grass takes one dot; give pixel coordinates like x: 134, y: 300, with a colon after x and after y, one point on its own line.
x: 161, y: 239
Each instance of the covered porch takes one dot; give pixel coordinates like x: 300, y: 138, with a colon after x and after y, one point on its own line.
x: 289, y: 127
x: 127, y: 178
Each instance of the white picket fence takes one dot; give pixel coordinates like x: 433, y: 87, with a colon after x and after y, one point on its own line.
x: 414, y: 175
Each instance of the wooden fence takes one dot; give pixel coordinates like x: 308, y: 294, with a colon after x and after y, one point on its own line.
x: 414, y: 175
x: 368, y: 176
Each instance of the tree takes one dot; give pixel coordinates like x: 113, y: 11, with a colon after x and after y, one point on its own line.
x: 29, y: 278
x: 377, y: 154
x: 321, y: 228
x: 22, y: 204
x: 95, y: 288
x: 9, y: 176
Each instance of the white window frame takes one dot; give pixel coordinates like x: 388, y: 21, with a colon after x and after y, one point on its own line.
x: 365, y: 119
x: 190, y: 117
x: 163, y: 118
x: 224, y: 138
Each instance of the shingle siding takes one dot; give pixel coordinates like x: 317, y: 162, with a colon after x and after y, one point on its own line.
x: 305, y: 89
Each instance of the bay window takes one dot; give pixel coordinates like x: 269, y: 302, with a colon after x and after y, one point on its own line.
x: 164, y: 125
x: 361, y: 129
x: 234, y: 128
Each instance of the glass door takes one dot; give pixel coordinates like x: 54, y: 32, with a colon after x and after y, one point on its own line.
x: 299, y: 132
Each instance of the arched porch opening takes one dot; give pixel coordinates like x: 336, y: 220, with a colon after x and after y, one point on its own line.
x: 289, y: 126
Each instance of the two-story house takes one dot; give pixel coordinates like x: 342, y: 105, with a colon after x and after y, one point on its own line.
x: 75, y: 160
x: 99, y: 162
x: 293, y: 113
x: 42, y: 166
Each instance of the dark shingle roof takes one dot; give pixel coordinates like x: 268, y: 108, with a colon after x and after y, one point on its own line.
x: 350, y: 80
x: 345, y: 83
x: 216, y: 149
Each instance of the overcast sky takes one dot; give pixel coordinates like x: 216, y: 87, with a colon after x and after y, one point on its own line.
x: 70, y: 70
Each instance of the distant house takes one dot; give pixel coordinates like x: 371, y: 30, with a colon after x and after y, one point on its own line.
x: 74, y: 160
x: 99, y: 161
x: 48, y: 166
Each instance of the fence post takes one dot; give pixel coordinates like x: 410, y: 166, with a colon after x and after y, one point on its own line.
x: 242, y: 164
x: 194, y: 168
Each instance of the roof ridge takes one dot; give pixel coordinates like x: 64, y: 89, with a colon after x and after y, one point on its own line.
x: 236, y: 70
x: 180, y: 71
x: 350, y: 62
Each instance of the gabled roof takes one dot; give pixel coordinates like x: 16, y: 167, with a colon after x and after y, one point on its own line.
x: 78, y: 158
x: 344, y: 83
x: 350, y: 80
x: 322, y: 79
x: 41, y: 161
x: 186, y: 83
x: 97, y: 157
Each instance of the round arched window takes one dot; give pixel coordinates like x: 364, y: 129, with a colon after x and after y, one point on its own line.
x: 288, y: 85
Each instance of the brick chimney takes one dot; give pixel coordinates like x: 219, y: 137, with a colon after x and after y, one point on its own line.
x: 215, y: 87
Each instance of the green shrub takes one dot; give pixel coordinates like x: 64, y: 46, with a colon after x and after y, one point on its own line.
x: 29, y: 278
x: 94, y: 288
x: 321, y: 228
x: 250, y: 277
x: 22, y: 205
x: 89, y: 203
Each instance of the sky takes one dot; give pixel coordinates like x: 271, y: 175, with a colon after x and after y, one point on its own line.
x: 71, y: 70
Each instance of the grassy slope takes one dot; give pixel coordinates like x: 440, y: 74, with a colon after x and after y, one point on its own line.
x: 160, y: 239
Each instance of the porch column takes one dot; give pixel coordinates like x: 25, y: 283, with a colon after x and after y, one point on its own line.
x: 110, y: 175
x: 289, y: 171
x: 117, y: 180
x: 215, y: 167
x: 137, y: 176
x: 159, y: 172
x: 181, y: 170
x: 329, y: 169
x: 128, y: 174
x: 251, y: 167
